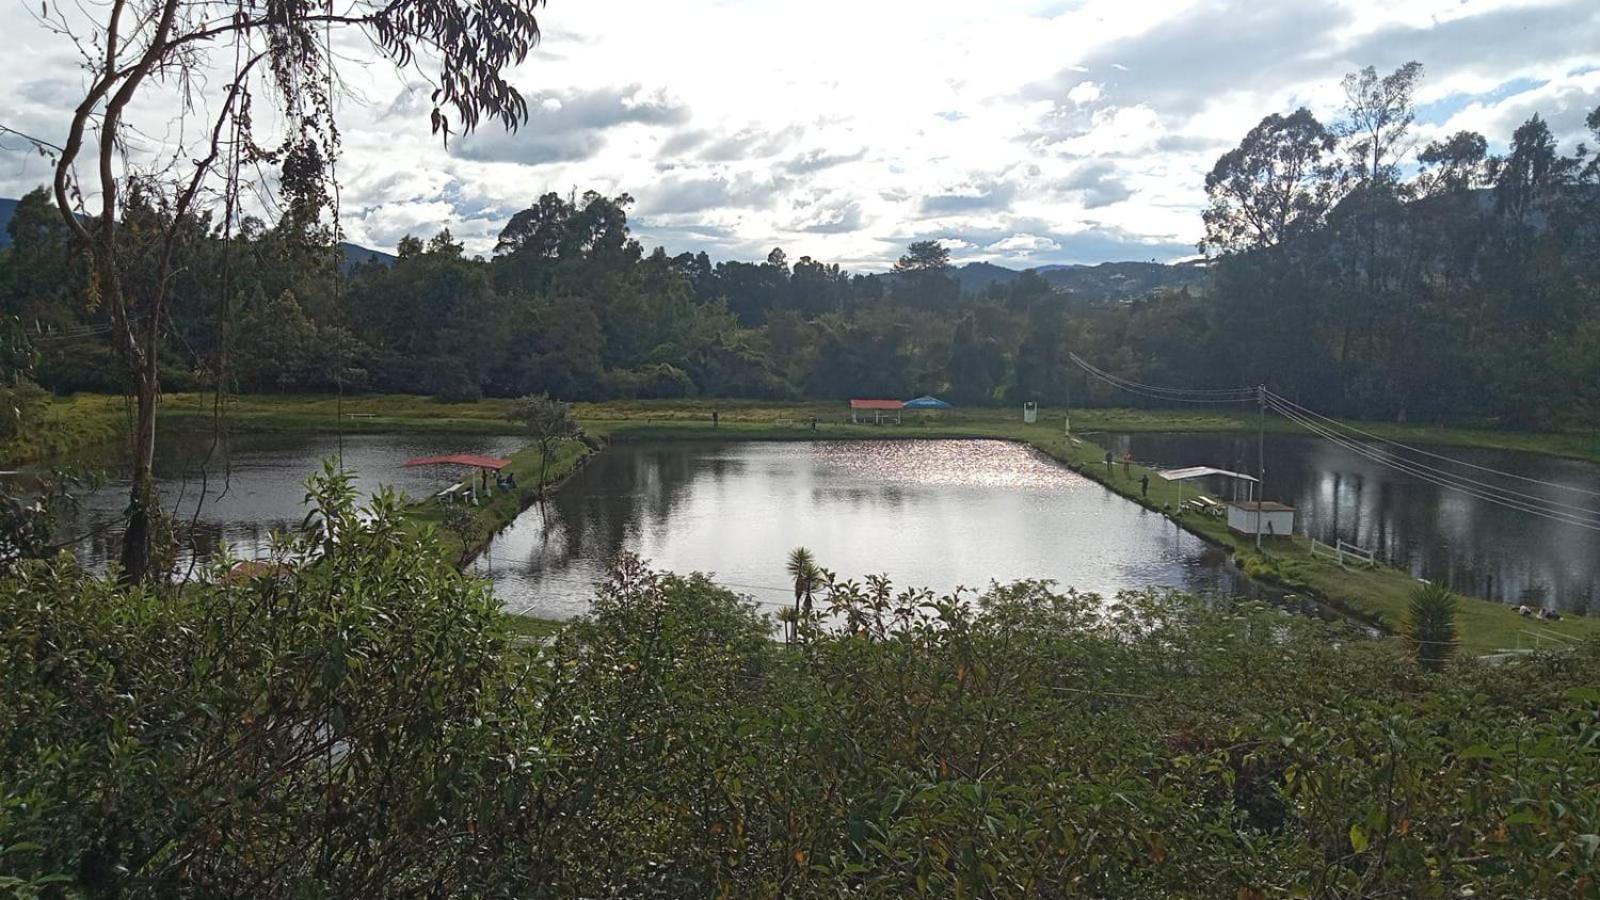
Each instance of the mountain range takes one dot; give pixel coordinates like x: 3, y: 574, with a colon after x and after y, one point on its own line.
x: 1102, y: 281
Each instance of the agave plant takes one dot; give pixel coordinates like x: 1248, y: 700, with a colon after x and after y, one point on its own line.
x: 807, y: 577
x: 1429, y: 630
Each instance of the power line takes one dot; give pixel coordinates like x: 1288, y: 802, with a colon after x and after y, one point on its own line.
x: 1432, y: 476
x: 1175, y: 395
x: 1369, y: 435
x: 1329, y: 429
x: 1459, y: 481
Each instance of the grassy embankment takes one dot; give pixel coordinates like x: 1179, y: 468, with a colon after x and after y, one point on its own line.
x: 1379, y: 595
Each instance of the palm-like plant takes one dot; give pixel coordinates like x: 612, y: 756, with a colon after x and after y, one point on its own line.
x: 1429, y: 630
x: 807, y: 577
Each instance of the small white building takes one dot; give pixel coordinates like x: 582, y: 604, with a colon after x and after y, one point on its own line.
x: 1271, y: 519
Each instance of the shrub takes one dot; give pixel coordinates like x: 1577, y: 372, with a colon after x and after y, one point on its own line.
x: 1429, y: 630
x: 357, y: 725
x: 345, y: 725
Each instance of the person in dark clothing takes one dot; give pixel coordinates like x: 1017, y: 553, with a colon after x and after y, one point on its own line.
x: 813, y: 423
x: 1144, y: 486
x: 715, y: 419
x: 1108, y: 461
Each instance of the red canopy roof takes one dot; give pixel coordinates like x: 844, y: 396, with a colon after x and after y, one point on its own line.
x: 876, y: 404
x: 460, y: 459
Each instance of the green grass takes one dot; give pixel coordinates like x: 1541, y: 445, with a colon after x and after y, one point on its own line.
x: 69, y: 427
x: 86, y: 419
x: 529, y: 628
x: 502, y: 507
x: 1378, y: 595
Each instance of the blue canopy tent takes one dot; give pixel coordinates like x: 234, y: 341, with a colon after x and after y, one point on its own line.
x: 926, y: 402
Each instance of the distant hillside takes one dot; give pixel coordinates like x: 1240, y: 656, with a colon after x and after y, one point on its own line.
x: 354, y: 254
x: 1103, y: 281
x: 1123, y: 280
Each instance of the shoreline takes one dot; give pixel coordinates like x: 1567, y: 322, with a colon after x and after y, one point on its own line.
x: 1377, y: 595
x: 86, y: 421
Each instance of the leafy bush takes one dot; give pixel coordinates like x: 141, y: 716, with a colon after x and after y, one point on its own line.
x: 1429, y: 630
x: 359, y: 725
x: 343, y: 725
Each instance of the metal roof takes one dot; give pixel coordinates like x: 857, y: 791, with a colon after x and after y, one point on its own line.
x: 1201, y: 472
x: 877, y: 404
x: 1264, y: 506
x: 460, y: 459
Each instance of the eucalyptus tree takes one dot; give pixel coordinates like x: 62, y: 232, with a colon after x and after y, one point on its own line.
x: 1379, y: 113
x: 1277, y: 181
x: 139, y: 55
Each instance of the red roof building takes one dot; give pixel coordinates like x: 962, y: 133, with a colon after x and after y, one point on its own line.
x: 460, y: 459
x: 858, y: 408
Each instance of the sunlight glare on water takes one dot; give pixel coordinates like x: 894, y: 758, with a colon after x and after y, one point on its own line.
x: 937, y: 514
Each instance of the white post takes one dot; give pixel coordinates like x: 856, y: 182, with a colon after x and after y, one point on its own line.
x: 1261, y: 456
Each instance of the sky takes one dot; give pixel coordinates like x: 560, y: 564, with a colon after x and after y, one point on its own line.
x: 1020, y: 132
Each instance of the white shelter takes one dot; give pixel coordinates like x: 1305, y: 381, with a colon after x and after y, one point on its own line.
x: 1262, y: 517
x: 1191, y: 472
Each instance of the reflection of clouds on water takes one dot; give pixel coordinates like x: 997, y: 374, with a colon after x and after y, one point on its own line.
x: 255, y: 484
x: 1433, y: 532
x: 939, y: 464
x: 927, y: 513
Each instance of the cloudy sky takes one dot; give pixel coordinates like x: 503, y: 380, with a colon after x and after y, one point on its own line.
x: 1018, y: 132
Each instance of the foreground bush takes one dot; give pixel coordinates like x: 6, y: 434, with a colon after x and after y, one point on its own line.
x: 363, y: 728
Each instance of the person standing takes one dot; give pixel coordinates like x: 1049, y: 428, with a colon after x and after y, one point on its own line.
x: 1108, y: 462
x: 1127, y: 458
x: 1144, y: 487
x: 716, y: 419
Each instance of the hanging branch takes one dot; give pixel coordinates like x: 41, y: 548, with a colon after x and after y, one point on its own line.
x: 147, y: 42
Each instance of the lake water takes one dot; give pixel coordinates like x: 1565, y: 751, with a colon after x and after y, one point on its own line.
x: 937, y: 514
x: 255, y: 484
x: 1433, y: 532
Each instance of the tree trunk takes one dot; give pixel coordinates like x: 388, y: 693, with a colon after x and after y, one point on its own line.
x: 143, y: 501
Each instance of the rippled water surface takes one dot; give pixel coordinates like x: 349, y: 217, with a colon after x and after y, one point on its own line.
x: 253, y: 484
x: 928, y: 513
x: 1443, y: 535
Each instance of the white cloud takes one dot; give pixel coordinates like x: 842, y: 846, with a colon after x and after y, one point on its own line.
x: 1066, y: 132
x: 1024, y: 244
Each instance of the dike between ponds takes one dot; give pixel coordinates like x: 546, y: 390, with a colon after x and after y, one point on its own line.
x: 1378, y: 595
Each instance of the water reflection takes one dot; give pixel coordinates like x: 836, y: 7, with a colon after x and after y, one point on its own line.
x: 1434, y: 533
x: 254, y: 484
x: 933, y: 513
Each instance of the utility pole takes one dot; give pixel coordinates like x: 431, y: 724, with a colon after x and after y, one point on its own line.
x: 1261, y: 457
x: 1068, y: 388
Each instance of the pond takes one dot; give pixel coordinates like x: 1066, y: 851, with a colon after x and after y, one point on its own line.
x: 936, y: 514
x: 254, y: 484
x: 1435, y: 533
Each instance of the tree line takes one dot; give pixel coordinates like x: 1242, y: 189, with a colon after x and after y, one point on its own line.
x: 1349, y: 269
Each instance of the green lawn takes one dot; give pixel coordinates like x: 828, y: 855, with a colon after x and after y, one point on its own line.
x: 1379, y: 595
x: 87, y: 419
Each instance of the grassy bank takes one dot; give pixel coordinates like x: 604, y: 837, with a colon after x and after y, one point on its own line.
x: 465, y: 529
x: 85, y: 420
x: 1378, y: 595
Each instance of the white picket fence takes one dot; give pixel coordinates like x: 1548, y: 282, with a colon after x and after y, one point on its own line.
x: 1345, y: 554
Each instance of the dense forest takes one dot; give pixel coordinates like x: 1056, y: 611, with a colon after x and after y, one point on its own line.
x: 1345, y: 270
